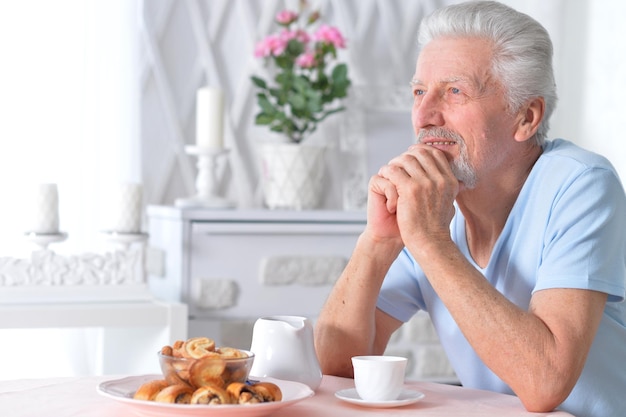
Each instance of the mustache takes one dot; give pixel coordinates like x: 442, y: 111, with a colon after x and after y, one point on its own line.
x: 438, y: 132
x: 460, y: 166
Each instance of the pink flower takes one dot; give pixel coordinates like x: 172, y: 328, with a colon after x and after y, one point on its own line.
x: 272, y: 45
x: 306, y: 60
x: 329, y: 34
x: 299, y: 35
x: 286, y: 17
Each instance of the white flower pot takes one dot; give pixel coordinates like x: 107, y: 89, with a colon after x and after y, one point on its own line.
x: 292, y: 175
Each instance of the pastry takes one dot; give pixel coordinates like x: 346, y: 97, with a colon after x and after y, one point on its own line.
x: 178, y: 394
x: 212, y: 395
x: 198, y: 347
x: 268, y: 391
x: 229, y: 352
x: 176, y: 371
x: 207, y: 371
x: 149, y: 390
x: 177, y: 349
x: 242, y: 393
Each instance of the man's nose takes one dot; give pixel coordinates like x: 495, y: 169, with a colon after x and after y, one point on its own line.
x: 427, y: 111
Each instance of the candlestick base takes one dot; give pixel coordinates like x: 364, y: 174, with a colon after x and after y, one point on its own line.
x: 43, y: 240
x: 124, y: 240
x: 207, y: 195
x: 213, y: 202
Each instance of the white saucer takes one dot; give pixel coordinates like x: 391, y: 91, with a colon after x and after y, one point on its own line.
x: 406, y: 397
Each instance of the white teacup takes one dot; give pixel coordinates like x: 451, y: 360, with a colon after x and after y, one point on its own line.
x: 379, y: 378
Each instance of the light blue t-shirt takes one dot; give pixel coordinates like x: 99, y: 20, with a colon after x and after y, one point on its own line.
x: 567, y: 229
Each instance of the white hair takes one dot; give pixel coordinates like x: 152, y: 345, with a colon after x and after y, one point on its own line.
x: 522, y: 59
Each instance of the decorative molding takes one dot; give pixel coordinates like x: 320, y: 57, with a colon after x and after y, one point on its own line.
x: 46, y: 267
x: 214, y: 294
x: 304, y: 270
x: 48, y: 276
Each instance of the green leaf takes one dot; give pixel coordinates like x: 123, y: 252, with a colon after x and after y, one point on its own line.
x: 340, y: 73
x: 275, y: 92
x: 295, y: 47
x: 339, y: 91
x: 297, y: 101
x: 315, y: 103
x: 285, y: 80
x: 265, y: 104
x: 301, y: 83
x: 280, y: 95
x: 259, y: 82
x: 281, y: 116
x: 285, y: 62
x: 263, y: 119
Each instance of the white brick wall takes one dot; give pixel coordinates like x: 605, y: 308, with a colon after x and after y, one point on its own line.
x: 418, y: 341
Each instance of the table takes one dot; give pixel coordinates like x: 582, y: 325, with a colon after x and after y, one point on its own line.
x: 65, y: 397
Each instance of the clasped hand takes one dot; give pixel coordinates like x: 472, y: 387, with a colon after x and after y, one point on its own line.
x: 412, y: 196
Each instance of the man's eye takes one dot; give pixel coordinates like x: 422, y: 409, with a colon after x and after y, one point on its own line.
x: 418, y: 92
x: 455, y: 90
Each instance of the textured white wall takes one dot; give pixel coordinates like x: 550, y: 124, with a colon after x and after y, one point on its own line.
x: 602, y: 99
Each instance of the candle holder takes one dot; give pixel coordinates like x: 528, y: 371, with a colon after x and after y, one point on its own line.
x: 43, y: 240
x: 207, y: 195
x: 124, y: 240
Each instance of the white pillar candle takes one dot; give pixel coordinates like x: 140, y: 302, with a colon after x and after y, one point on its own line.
x: 209, y: 118
x: 126, y: 208
x: 46, y: 210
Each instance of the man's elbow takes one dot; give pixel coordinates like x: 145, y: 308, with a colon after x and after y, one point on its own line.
x: 337, y: 369
x: 543, y: 401
x: 333, y: 365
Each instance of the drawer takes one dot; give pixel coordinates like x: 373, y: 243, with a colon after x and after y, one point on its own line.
x: 244, y: 270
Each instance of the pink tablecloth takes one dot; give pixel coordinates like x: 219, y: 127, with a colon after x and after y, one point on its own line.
x: 72, y: 397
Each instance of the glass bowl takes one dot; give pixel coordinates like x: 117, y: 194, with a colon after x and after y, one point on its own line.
x: 216, y: 369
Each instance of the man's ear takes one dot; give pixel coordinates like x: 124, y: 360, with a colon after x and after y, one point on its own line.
x: 529, y: 118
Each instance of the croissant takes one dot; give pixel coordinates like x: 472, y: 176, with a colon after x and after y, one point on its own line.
x: 176, y: 372
x: 198, y: 347
x: 167, y: 350
x: 229, y: 352
x: 268, y: 391
x: 149, y: 390
x: 177, y: 349
x: 179, y: 394
x: 212, y: 395
x: 207, y: 371
x: 243, y: 394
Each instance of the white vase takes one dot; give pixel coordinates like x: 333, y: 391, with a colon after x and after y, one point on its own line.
x: 292, y: 175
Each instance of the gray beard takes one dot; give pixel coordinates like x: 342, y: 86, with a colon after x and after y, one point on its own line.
x: 460, y: 166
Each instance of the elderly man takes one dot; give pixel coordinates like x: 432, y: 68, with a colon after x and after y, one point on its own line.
x: 514, y: 245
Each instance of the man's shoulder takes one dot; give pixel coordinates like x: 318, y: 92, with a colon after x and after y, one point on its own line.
x: 564, y: 152
x: 565, y: 167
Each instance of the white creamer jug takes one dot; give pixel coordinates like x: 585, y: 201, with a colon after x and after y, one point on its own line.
x: 283, y: 348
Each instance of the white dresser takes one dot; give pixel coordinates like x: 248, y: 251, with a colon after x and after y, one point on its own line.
x: 233, y: 266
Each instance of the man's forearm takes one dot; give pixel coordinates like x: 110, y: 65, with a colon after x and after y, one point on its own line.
x: 346, y: 326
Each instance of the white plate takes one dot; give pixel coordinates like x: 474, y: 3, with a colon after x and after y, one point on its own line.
x: 406, y: 397
x: 122, y: 390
